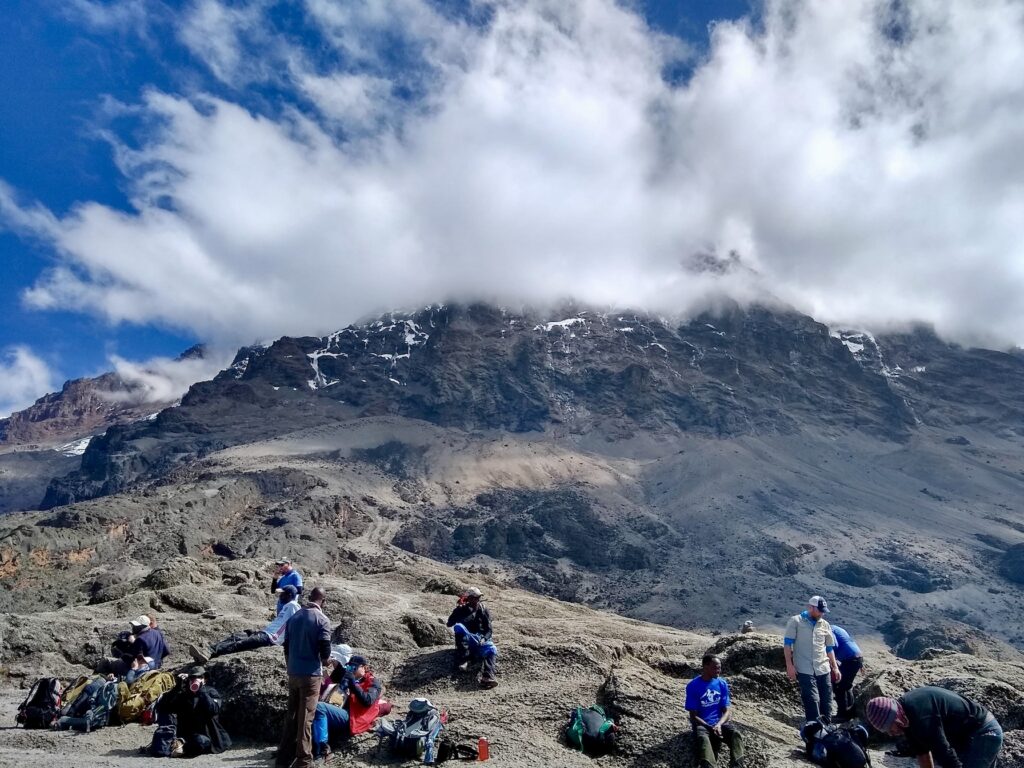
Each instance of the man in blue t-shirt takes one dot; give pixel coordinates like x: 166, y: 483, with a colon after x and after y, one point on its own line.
x: 850, y: 661
x: 707, y: 702
x: 286, y: 575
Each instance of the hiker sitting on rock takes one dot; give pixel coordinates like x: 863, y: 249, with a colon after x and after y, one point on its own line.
x: 349, y: 703
x: 811, y: 659
x: 472, y: 624
x: 940, y: 727
x: 707, y: 702
x: 850, y: 659
x: 284, y: 576
x: 142, y: 649
x: 272, y: 634
x: 195, y: 707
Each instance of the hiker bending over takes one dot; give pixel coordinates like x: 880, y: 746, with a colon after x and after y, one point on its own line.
x: 850, y: 660
x: 707, y: 702
x: 143, y: 648
x: 307, y: 647
x: 349, y: 703
x: 940, y: 727
x: 811, y: 659
x: 285, y: 576
x: 195, y: 707
x: 272, y: 634
x: 472, y: 624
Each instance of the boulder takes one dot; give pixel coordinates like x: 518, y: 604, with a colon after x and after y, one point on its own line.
x: 1011, y: 565
x: 187, y: 598
x: 255, y: 690
x: 751, y: 649
x: 179, y: 570
x: 850, y: 573
x: 427, y: 631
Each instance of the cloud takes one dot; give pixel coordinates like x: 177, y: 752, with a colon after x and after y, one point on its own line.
x: 164, y: 379
x: 23, y: 377
x: 860, y: 160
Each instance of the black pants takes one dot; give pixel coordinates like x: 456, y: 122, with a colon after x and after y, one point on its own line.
x: 844, y: 688
x: 197, y: 744
x: 241, y: 641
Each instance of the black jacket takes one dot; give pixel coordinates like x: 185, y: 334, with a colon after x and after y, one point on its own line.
x: 196, y: 713
x: 476, y: 620
x: 941, y: 722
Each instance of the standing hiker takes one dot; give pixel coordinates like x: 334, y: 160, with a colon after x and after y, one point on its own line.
x: 809, y: 648
x: 939, y: 727
x: 272, y: 634
x: 307, y: 647
x: 472, y: 624
x: 707, y: 702
x: 850, y: 659
x: 285, y: 575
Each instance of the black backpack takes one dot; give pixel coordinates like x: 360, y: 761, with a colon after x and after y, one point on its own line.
x: 835, y: 747
x: 42, y: 705
x: 163, y: 741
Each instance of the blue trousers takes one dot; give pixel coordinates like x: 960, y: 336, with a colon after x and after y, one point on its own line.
x: 470, y: 646
x: 329, y: 718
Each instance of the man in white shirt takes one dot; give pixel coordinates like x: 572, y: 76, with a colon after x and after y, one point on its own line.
x: 272, y: 634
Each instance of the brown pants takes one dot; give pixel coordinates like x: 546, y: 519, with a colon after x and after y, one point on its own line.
x: 297, y: 734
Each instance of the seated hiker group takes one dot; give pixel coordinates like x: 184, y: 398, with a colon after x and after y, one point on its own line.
x: 333, y: 695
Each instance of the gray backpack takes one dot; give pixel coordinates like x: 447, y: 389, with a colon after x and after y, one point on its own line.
x: 417, y: 735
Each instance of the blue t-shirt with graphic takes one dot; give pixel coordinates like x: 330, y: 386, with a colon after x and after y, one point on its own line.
x: 707, y: 698
x: 846, y: 648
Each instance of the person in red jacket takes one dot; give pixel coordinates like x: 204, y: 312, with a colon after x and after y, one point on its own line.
x: 349, y: 704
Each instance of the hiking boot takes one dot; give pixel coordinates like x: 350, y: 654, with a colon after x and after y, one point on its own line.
x: 198, y: 655
x: 488, y: 682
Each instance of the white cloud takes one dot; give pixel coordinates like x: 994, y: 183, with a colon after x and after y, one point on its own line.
x: 163, y: 379
x: 23, y: 377
x: 865, y: 164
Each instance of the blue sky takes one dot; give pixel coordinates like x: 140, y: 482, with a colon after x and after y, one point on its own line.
x: 228, y: 171
x: 57, y: 73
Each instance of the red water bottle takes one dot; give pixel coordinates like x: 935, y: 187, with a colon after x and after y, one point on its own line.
x: 483, y: 749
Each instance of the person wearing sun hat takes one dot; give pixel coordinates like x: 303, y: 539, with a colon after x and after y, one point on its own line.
x: 809, y: 647
x: 939, y: 727
x: 348, y: 705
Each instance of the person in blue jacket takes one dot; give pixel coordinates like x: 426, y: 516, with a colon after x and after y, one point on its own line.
x: 286, y: 575
x: 850, y: 660
x: 707, y: 702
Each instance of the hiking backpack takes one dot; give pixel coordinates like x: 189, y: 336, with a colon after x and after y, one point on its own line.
x: 92, y: 708
x: 75, y: 688
x: 591, y: 731
x: 142, y: 695
x: 163, y: 741
x: 416, y: 736
x: 835, y: 747
x: 42, y: 705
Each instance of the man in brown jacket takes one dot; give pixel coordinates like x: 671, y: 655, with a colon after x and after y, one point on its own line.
x: 307, y: 647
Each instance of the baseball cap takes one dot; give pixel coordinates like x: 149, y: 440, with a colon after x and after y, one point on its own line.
x: 197, y: 672
x: 818, y: 602
x: 288, y: 591
x: 356, y: 661
x: 283, y: 561
x: 474, y: 592
x: 140, y: 621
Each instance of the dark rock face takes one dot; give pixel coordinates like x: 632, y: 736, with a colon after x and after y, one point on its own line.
x: 1011, y: 566
x: 913, y: 637
x: 851, y: 573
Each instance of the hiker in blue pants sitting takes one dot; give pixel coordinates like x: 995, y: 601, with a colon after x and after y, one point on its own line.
x: 471, y: 622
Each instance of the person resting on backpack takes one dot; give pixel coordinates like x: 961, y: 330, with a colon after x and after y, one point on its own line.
x: 708, y: 704
x: 349, y: 703
x: 472, y: 624
x: 139, y: 650
x: 196, y: 707
x: 940, y: 727
x: 272, y: 634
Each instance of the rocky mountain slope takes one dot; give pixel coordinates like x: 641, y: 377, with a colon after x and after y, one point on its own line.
x: 48, y: 438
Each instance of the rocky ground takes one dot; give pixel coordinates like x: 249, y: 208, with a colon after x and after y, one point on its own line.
x: 390, y: 606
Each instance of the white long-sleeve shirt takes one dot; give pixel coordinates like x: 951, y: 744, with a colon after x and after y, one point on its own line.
x: 275, y: 629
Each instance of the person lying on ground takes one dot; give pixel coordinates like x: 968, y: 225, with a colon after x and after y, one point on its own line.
x: 348, y: 705
x: 471, y: 622
x: 708, y: 704
x: 940, y: 727
x: 195, y: 707
x: 272, y: 634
